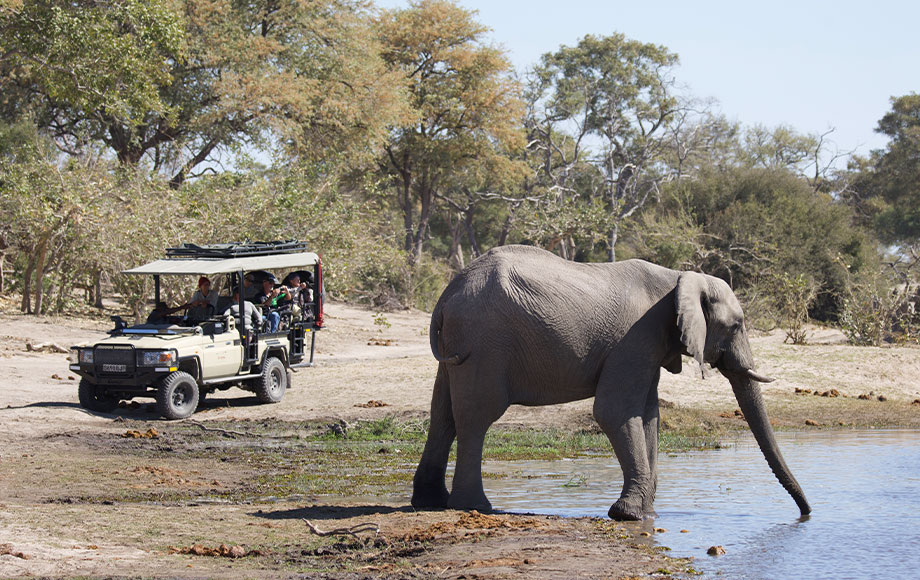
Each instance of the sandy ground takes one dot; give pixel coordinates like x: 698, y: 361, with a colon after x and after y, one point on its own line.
x: 362, y: 356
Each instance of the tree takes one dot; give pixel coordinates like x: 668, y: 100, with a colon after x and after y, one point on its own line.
x: 616, y: 94
x: 888, y: 187
x: 175, y: 85
x: 465, y: 108
x: 758, y: 228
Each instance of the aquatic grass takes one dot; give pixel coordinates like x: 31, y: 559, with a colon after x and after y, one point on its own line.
x: 510, y: 444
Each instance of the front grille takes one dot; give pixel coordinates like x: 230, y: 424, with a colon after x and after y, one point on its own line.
x: 114, y: 359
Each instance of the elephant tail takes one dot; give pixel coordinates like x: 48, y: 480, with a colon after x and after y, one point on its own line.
x: 434, y: 333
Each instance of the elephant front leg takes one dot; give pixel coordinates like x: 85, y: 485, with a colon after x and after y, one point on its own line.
x: 623, y: 414
x: 638, y: 481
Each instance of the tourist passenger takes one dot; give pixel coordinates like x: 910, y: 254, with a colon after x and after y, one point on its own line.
x: 269, y: 300
x: 160, y: 314
x: 251, y: 318
x: 203, y: 303
x: 301, y: 295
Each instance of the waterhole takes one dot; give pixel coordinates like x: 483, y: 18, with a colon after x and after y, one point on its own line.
x: 863, y: 486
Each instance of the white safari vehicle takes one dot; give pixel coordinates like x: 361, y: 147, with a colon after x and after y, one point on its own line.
x: 178, y: 360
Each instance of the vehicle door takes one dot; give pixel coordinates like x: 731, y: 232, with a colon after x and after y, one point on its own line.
x: 222, y: 356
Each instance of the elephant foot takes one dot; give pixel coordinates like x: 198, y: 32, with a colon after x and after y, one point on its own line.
x: 480, y: 504
x: 626, y: 512
x: 430, y: 496
x: 428, y: 489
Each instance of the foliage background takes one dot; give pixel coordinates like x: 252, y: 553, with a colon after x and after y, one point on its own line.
x: 401, y: 144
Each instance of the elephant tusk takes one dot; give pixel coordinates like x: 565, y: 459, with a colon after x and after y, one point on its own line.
x: 759, y: 378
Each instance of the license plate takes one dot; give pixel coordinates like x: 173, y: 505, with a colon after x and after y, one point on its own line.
x: 110, y: 368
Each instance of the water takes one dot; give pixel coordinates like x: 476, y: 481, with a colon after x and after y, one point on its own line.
x: 863, y: 487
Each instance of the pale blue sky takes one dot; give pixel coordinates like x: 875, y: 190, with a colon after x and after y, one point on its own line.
x: 813, y: 65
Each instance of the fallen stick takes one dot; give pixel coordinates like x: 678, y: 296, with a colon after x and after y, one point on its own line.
x: 219, y: 430
x: 353, y: 531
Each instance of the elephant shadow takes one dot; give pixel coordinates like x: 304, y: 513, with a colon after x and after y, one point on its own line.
x: 331, y: 512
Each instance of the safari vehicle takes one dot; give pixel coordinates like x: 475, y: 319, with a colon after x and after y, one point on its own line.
x: 179, y: 361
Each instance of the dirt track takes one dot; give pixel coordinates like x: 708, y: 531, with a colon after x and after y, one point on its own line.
x: 54, y: 455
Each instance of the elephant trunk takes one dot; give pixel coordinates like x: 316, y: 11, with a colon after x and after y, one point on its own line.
x: 748, y: 395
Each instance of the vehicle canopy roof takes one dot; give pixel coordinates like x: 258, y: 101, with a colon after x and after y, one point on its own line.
x: 227, y: 258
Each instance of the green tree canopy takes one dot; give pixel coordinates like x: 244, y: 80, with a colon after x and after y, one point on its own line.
x: 889, y: 184
x: 614, y: 95
x: 176, y: 83
x: 754, y: 227
x: 465, y: 109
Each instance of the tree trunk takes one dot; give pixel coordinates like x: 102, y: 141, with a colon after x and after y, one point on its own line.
x: 471, y: 231
x: 3, y: 248
x: 455, y: 259
x: 612, y: 249
x: 26, y: 305
x: 97, y: 290
x: 426, y: 195
x: 41, y: 256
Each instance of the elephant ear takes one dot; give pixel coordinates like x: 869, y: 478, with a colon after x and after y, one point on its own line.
x: 691, y: 321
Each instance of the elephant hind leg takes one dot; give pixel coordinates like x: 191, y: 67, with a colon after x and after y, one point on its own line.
x: 429, y: 488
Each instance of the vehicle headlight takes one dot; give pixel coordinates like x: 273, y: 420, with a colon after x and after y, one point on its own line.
x: 155, y: 358
x: 86, y: 356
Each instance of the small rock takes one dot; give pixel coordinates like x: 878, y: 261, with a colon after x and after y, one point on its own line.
x: 864, y: 397
x: 882, y: 398
x: 916, y: 403
x: 685, y: 531
x: 716, y: 551
x: 811, y: 423
x: 660, y: 530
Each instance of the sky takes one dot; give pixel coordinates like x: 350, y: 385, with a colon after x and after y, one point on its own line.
x: 813, y: 65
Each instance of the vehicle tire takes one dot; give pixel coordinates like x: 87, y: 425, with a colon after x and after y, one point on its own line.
x: 271, y: 385
x: 177, y: 397
x: 93, y: 399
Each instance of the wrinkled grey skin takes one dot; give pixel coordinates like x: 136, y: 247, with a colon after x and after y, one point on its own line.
x: 521, y: 326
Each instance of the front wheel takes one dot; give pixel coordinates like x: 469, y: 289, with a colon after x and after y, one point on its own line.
x: 95, y: 399
x: 177, y: 397
x: 271, y: 385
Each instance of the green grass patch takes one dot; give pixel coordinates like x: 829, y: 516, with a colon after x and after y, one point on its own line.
x: 277, y: 459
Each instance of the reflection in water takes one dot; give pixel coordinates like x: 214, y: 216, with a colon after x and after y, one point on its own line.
x: 863, y: 486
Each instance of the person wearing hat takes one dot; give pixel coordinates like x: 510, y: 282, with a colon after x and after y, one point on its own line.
x: 203, y: 303
x: 269, y: 299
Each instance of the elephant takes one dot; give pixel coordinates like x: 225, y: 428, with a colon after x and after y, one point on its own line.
x: 522, y: 326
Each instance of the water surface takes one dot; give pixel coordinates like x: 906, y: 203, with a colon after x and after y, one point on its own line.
x: 863, y: 487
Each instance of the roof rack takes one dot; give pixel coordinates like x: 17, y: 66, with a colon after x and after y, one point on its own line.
x: 236, y: 249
